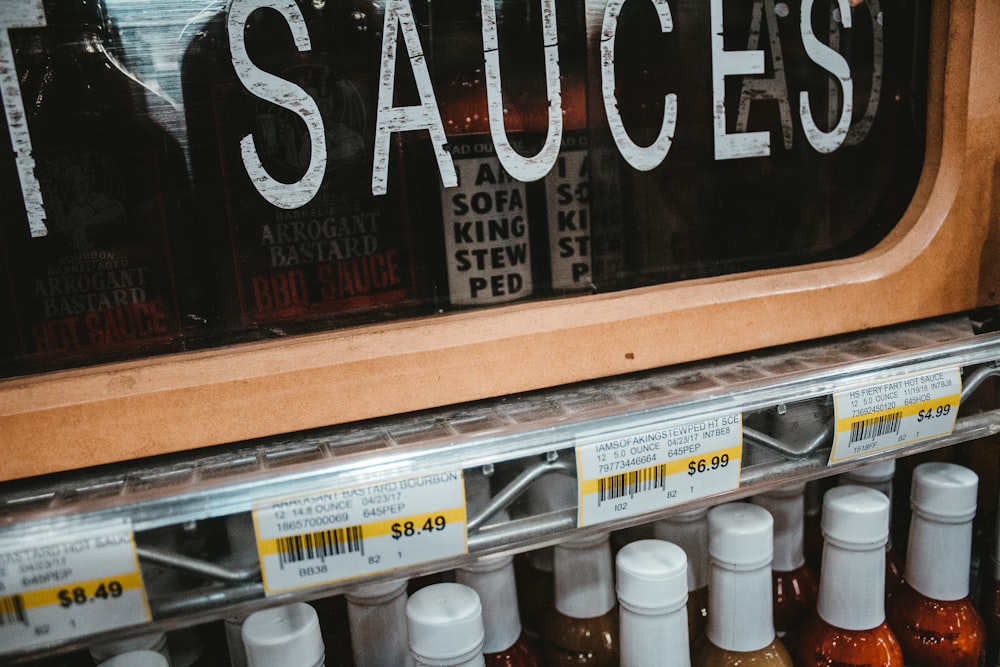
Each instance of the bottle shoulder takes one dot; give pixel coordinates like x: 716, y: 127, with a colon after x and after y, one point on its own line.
x: 821, y: 644
x: 706, y: 654
x: 937, y: 632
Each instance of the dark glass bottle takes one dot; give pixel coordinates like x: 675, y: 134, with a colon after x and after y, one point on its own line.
x: 794, y: 585
x: 294, y: 237
x: 932, y: 614
x: 93, y: 256
x: 849, y: 626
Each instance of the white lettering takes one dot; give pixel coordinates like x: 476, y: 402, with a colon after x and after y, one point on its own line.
x: 834, y: 63
x: 771, y: 88
x: 391, y: 119
x: 639, y: 157
x: 284, y: 94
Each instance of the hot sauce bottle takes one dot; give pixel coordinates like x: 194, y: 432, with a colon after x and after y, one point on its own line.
x: 376, y: 613
x: 505, y: 645
x: 689, y: 530
x: 652, y: 592
x: 582, y: 629
x: 445, y: 626
x: 95, y: 198
x: 795, y: 587
x: 849, y: 625
x: 740, y: 621
x: 879, y: 476
x: 281, y: 115
x: 932, y: 614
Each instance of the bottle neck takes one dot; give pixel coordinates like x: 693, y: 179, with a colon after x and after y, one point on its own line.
x: 498, y: 595
x: 378, y: 629
x: 852, y: 587
x: 789, y: 521
x: 654, y: 638
x: 746, y: 597
x: 937, y: 558
x: 692, y: 537
x: 584, y: 587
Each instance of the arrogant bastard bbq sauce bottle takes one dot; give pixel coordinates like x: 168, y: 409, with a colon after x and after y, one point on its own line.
x: 932, y: 615
x: 281, y: 101
x: 740, y: 620
x: 94, y: 196
x: 849, y: 625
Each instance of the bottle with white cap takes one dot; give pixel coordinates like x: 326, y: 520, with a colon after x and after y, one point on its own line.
x: 849, y: 625
x: 137, y: 659
x: 445, y: 626
x: 376, y: 614
x: 689, y: 531
x: 879, y: 476
x: 932, y: 615
x: 582, y: 628
x: 740, y: 620
x: 652, y: 588
x: 156, y: 642
x: 287, y: 636
x: 794, y: 585
x: 505, y: 645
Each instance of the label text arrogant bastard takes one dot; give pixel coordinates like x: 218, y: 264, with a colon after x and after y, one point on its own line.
x: 399, y: 22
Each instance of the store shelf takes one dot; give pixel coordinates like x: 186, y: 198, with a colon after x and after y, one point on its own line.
x: 515, y: 445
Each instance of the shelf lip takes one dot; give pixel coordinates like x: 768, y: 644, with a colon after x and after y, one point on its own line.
x: 144, y: 491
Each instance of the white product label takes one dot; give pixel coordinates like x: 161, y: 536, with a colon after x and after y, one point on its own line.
x: 647, y: 468
x: 314, y: 539
x: 887, y: 415
x: 71, y: 585
x: 485, y: 229
x: 567, y: 192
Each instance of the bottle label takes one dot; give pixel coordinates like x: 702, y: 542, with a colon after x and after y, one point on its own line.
x: 881, y: 416
x: 486, y: 235
x: 567, y: 194
x: 343, y: 249
x: 315, y: 539
x: 642, y: 468
x: 71, y: 586
x: 95, y: 282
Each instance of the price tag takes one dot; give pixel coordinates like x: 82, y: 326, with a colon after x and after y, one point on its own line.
x: 319, y: 538
x: 647, y: 468
x: 72, y: 585
x: 891, y: 414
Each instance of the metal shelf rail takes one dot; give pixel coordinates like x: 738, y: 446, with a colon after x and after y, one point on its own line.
x: 196, y: 519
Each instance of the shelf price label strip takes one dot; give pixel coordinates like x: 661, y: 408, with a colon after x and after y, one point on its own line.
x: 887, y: 415
x: 647, y: 468
x: 316, y: 539
x: 77, y: 584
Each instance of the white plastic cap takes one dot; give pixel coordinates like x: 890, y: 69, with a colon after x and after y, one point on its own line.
x: 445, y: 622
x: 872, y: 473
x: 652, y: 576
x: 137, y: 659
x: 740, y: 536
x: 855, y: 516
x: 287, y: 636
x: 944, y: 492
x: 156, y: 642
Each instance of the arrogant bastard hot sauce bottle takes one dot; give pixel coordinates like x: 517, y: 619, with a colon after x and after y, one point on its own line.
x: 795, y: 587
x: 652, y: 591
x: 849, y: 625
x: 740, y: 620
x: 94, y: 196
x: 281, y: 102
x: 505, y: 645
x: 932, y: 614
x: 582, y: 629
x: 689, y: 531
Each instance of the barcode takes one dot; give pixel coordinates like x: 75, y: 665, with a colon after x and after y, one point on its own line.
x: 12, y: 611
x: 631, y: 483
x: 873, y: 427
x: 319, y: 545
